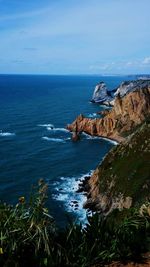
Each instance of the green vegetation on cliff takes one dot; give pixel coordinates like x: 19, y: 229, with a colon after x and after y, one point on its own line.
x: 127, y: 167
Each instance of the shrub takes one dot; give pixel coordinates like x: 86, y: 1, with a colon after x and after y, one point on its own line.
x: 28, y: 235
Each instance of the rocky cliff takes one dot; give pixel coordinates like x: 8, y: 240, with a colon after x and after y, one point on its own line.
x: 103, y: 95
x: 128, y: 112
x: 130, y: 86
x: 122, y: 179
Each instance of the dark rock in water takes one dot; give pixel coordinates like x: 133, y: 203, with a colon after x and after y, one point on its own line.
x: 83, y: 185
x: 75, y: 136
x: 74, y: 201
x: 80, y: 190
x: 86, y: 187
x: 86, y: 178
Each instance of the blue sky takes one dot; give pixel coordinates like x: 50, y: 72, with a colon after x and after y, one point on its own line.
x: 75, y: 36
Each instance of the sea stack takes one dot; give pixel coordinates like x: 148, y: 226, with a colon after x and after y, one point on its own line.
x: 101, y: 94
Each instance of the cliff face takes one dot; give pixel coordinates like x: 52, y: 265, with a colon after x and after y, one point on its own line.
x: 122, y: 179
x: 130, y: 86
x: 127, y: 113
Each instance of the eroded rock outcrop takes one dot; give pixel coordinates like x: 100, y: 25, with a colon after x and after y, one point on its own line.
x: 127, y: 113
x: 101, y: 94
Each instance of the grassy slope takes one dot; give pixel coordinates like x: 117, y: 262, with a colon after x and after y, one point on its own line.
x: 127, y: 167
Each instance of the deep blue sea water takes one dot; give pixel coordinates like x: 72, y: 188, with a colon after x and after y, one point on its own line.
x: 30, y: 106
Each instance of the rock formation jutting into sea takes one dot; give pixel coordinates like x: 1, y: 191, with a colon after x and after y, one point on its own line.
x: 131, y: 104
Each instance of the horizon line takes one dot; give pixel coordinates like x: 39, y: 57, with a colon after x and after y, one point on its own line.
x: 77, y: 74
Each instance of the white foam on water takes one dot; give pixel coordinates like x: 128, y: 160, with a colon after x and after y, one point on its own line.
x: 110, y: 140
x: 90, y: 137
x: 49, y: 128
x: 100, y: 138
x: 68, y: 138
x: 3, y: 134
x: 60, y: 197
x: 106, y: 107
x: 93, y: 115
x: 62, y: 178
x: 66, y: 193
x: 57, y: 129
x: 46, y: 125
x: 58, y: 140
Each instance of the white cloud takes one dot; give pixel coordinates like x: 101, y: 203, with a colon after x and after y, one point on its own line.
x: 102, y: 66
x: 130, y: 63
x: 128, y: 66
x: 146, y: 61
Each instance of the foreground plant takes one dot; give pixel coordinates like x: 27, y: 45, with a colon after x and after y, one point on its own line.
x: 28, y: 235
x: 27, y: 229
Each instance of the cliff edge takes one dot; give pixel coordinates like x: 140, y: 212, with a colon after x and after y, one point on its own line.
x: 122, y: 180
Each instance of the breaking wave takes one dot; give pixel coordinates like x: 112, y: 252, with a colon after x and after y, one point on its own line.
x: 93, y: 115
x: 46, y: 125
x: 58, y: 140
x: 65, y: 190
x: 90, y: 137
x: 3, y: 134
x: 51, y: 127
x: 57, y: 129
x: 100, y: 138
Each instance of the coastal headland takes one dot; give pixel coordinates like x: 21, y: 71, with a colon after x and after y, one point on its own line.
x: 122, y: 179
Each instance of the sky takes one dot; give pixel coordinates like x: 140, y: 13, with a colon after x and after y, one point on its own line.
x: 75, y: 36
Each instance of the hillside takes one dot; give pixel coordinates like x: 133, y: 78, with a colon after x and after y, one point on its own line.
x: 122, y: 179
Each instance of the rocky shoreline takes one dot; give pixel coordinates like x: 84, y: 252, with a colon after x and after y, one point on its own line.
x: 84, y: 188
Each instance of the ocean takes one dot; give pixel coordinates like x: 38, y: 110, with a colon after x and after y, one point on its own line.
x: 34, y: 142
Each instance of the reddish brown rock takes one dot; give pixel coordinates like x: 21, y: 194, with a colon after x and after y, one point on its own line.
x: 126, y: 114
x: 75, y: 136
